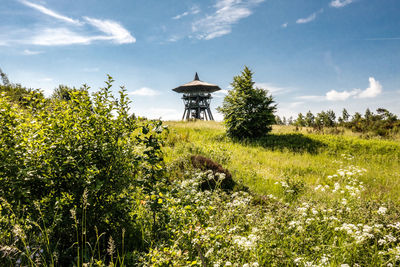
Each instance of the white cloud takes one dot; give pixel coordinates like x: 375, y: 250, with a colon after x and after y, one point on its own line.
x: 114, y: 31
x: 64, y: 36
x: 340, y: 3
x: 58, y: 36
x: 284, y: 25
x: 334, y: 95
x: 221, y: 93
x: 49, y: 36
x: 31, y: 52
x: 50, y: 12
x: 194, y: 10
x: 228, y: 12
x: 310, y: 18
x: 144, y: 91
x: 184, y: 14
x: 374, y: 89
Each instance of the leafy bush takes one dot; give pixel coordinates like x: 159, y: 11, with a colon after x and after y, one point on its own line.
x: 248, y: 111
x: 78, y: 169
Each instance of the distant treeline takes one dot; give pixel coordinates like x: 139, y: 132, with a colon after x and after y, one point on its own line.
x: 382, y: 123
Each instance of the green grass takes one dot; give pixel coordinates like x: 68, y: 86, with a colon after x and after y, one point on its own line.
x: 286, y: 153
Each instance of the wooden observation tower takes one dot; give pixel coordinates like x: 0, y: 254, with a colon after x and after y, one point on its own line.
x: 197, y: 99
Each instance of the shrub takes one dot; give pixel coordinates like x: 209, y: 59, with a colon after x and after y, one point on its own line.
x: 248, y: 111
x: 79, y: 169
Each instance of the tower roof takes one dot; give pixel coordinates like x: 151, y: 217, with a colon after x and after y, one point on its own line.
x: 197, y: 86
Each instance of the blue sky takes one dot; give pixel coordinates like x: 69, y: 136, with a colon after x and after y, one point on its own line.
x: 310, y: 54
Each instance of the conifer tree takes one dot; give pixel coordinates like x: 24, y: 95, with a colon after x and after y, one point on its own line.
x: 248, y: 111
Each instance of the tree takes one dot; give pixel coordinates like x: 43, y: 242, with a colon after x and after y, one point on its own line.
x: 4, y: 78
x: 300, y: 121
x: 345, y: 115
x: 284, y: 120
x: 368, y: 115
x: 330, y: 118
x: 310, y: 119
x: 278, y: 120
x: 248, y: 111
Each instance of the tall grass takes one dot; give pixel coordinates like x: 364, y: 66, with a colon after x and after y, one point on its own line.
x: 287, y: 153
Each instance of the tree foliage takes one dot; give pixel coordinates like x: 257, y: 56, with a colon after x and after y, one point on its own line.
x: 382, y: 123
x: 248, y: 111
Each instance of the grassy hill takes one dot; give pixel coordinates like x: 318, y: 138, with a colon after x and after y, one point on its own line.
x: 288, y: 154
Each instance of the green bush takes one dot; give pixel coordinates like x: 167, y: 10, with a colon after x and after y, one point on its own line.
x: 78, y: 169
x: 248, y: 111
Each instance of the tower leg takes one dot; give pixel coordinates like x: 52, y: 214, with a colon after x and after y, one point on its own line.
x: 184, y: 112
x: 210, y: 114
x: 205, y: 115
x: 188, y: 114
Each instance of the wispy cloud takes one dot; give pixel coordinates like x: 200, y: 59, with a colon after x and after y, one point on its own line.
x: 374, y: 89
x: 50, y: 12
x: 284, y: 25
x: 144, y: 91
x: 58, y: 36
x: 340, y: 3
x: 174, y: 38
x: 227, y: 13
x: 310, y: 18
x: 194, y: 10
x: 114, y: 31
x: 28, y: 52
x: 274, y: 90
x: 50, y: 36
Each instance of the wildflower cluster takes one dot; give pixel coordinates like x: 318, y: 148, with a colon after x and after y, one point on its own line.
x: 216, y: 228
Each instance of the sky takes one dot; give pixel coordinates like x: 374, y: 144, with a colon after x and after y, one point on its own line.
x: 309, y: 54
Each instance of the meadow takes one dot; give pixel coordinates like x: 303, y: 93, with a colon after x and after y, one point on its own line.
x: 312, y: 199
x: 293, y: 154
x: 84, y: 183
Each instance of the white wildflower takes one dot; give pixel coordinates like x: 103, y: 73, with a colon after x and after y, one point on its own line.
x: 381, y: 242
x: 382, y: 210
